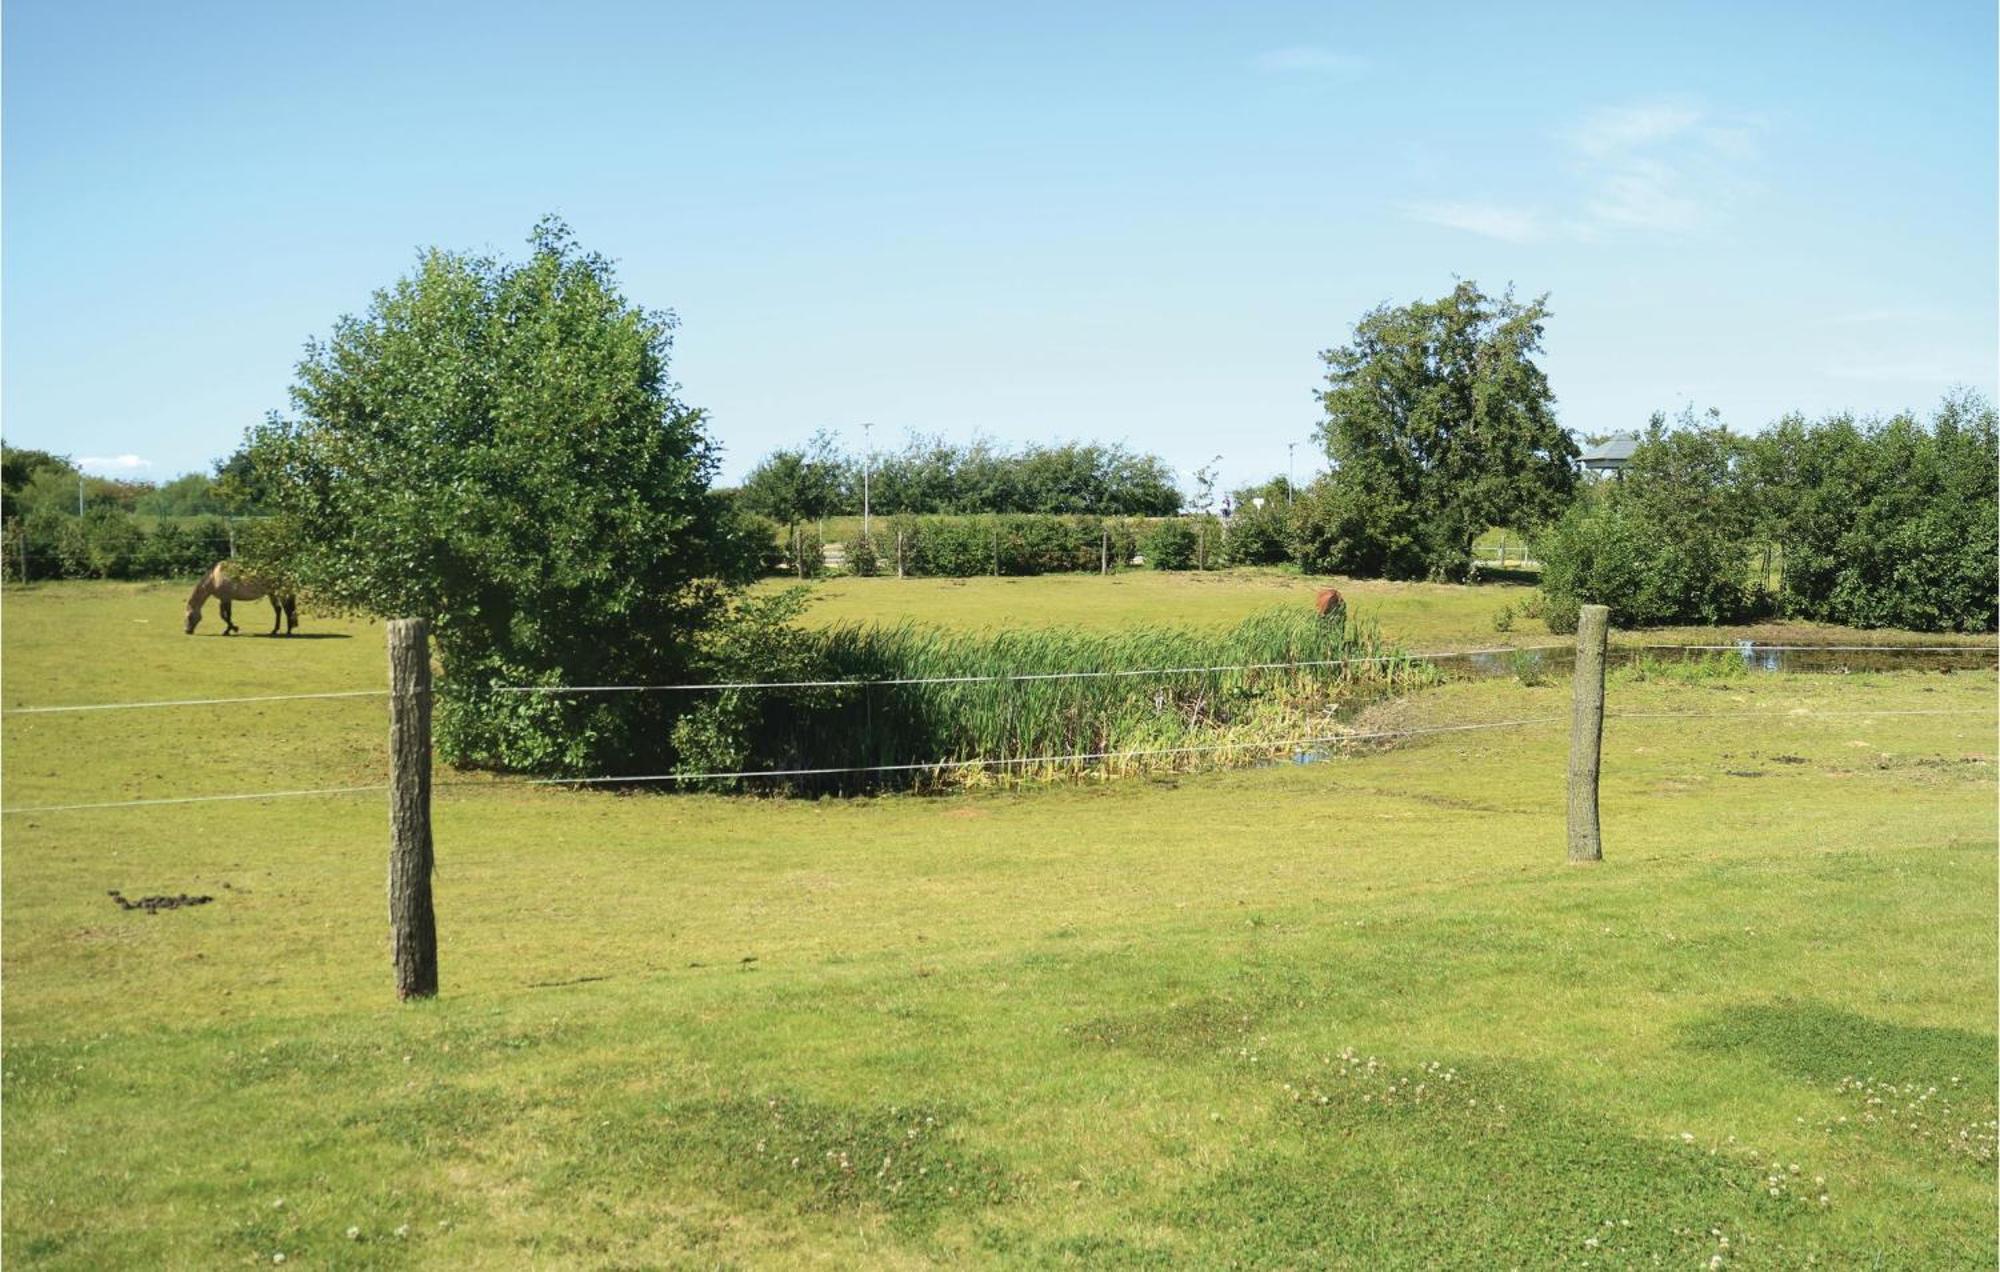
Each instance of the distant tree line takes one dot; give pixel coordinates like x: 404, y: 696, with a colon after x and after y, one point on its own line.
x: 931, y: 475
x: 1439, y: 425
x: 68, y: 524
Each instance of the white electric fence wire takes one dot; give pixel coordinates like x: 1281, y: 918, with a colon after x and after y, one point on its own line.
x: 929, y: 765
x: 941, y: 765
x: 1012, y: 676
x: 1751, y: 648
x: 196, y: 799
x: 1433, y: 656
x: 197, y: 702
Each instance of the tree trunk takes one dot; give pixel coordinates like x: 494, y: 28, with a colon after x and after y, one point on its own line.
x: 412, y: 921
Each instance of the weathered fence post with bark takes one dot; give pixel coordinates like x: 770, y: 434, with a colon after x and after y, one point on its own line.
x: 412, y: 921
x: 1586, y: 734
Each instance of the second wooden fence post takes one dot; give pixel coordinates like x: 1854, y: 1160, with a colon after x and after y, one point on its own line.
x: 1586, y: 734
x: 412, y: 921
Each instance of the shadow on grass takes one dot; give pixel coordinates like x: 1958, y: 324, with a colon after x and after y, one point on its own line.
x: 1824, y: 1044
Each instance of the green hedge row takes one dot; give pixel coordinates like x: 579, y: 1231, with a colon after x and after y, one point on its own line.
x: 1035, y: 543
x: 110, y: 543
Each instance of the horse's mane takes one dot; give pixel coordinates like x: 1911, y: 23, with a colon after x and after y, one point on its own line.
x: 205, y: 588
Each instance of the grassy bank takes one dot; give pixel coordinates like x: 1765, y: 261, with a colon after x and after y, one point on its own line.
x: 1351, y: 1013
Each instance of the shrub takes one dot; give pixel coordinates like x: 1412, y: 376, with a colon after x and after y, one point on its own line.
x: 769, y: 538
x: 1667, y: 544
x: 111, y: 544
x: 1612, y: 550
x: 1260, y: 536
x: 1169, y: 545
x: 1018, y: 544
x: 1340, y: 528
x: 862, y: 558
x: 1886, y: 524
x: 1528, y: 668
x: 177, y: 548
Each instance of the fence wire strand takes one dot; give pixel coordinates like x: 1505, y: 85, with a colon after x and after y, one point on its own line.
x: 940, y: 766
x: 1012, y: 677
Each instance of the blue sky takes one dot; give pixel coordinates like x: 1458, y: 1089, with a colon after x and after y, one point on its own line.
x: 1133, y: 223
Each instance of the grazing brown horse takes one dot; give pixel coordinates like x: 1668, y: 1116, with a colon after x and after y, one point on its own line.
x: 227, y: 586
x: 1328, y: 600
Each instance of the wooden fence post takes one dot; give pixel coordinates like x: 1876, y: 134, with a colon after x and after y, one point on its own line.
x: 899, y: 554
x: 1103, y: 561
x: 1586, y: 735
x: 412, y: 921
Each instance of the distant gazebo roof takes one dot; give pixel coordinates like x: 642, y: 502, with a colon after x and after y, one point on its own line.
x: 1614, y: 454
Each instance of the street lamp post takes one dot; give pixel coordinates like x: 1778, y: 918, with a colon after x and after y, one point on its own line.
x: 867, y: 462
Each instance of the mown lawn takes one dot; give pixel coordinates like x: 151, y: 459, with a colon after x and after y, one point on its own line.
x: 1356, y: 1013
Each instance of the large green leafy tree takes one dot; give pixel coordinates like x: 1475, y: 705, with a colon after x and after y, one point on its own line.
x: 496, y: 446
x: 1439, y: 423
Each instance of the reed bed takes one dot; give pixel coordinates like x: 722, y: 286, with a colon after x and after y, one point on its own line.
x: 1238, y: 687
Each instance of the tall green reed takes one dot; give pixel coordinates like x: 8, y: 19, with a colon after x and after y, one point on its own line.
x: 1015, y: 698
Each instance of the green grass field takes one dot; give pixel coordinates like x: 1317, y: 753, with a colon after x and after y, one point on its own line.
x: 1421, y: 616
x: 1356, y: 1013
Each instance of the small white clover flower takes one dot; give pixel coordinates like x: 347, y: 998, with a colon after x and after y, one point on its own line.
x: 353, y: 1234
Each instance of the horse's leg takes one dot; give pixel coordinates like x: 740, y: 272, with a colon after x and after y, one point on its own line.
x: 228, y: 623
x: 291, y: 614
x: 277, y: 613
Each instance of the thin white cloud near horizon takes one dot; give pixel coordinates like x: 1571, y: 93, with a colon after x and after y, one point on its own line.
x: 1489, y: 220
x: 114, y: 463
x: 1307, y: 59
x: 1662, y: 167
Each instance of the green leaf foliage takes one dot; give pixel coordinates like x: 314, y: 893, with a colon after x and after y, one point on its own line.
x: 1885, y: 524
x: 1439, y: 424
x: 1666, y: 544
x: 931, y: 475
x: 496, y: 446
x: 1017, y: 544
x: 1260, y: 536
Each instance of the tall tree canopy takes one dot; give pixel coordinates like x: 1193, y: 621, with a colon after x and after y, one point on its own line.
x: 932, y: 475
x: 496, y: 446
x: 1439, y: 424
